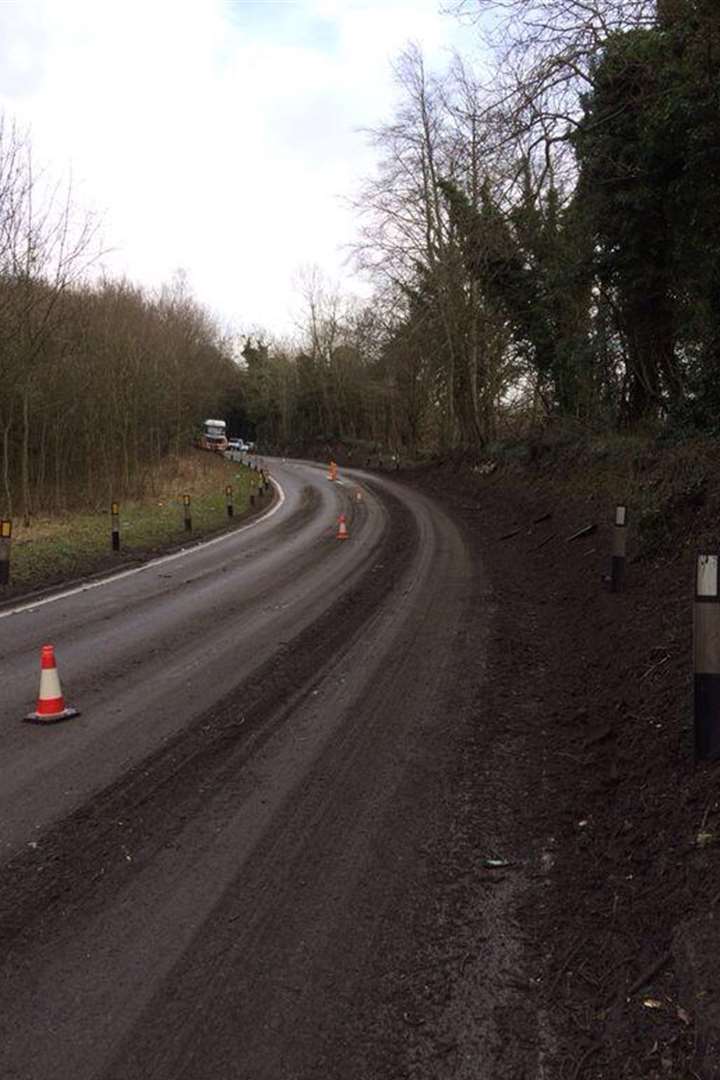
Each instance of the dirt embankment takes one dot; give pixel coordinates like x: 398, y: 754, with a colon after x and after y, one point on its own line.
x: 601, y: 685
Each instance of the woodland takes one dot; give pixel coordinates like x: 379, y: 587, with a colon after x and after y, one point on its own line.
x: 541, y: 235
x: 544, y: 242
x: 100, y: 380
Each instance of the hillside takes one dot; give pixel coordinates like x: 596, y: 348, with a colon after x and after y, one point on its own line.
x: 590, y: 695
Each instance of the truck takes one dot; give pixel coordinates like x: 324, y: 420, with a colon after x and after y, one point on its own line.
x: 214, y: 436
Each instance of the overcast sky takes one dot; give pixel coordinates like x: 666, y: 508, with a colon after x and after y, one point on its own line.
x: 211, y: 135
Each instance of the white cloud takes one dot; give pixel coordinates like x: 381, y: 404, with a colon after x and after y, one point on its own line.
x: 215, y: 136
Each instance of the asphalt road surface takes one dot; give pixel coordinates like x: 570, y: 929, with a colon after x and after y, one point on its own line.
x: 200, y: 874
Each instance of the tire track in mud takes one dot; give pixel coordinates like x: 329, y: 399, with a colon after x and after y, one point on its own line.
x: 80, y: 860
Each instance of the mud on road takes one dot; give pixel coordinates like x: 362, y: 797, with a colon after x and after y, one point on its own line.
x: 282, y: 888
x: 487, y: 887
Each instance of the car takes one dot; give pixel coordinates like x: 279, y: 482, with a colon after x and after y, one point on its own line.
x: 236, y: 444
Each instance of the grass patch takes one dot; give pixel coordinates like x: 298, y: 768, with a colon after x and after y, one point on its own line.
x: 60, y: 548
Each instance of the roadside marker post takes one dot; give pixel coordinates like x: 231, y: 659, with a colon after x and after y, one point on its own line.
x: 252, y: 490
x: 115, y: 525
x: 229, y: 500
x: 5, y: 541
x: 619, y: 548
x: 188, y: 513
x: 706, y: 657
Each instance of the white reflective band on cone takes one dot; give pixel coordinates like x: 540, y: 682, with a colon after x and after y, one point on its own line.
x: 49, y: 684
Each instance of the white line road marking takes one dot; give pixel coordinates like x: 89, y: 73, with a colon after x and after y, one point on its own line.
x: 34, y: 604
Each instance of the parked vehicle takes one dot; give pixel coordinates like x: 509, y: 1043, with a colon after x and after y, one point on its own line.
x: 214, y: 436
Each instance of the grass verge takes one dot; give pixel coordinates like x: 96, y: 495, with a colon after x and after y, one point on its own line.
x: 74, y: 545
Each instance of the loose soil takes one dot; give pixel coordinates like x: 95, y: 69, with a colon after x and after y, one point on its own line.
x: 590, y: 696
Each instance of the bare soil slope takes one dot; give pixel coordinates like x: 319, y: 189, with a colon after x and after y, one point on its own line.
x: 601, y: 687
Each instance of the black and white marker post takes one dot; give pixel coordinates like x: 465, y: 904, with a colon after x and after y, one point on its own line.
x: 229, y: 500
x: 5, y: 539
x: 115, y: 526
x: 619, y: 548
x: 706, y: 650
x: 188, y: 514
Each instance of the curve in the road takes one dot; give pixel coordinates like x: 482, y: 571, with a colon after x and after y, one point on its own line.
x: 206, y: 898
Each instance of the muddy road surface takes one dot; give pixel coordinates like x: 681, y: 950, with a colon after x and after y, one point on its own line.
x: 250, y: 856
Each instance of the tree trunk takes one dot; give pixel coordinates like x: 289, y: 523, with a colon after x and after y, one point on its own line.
x: 25, y: 459
x: 6, y: 468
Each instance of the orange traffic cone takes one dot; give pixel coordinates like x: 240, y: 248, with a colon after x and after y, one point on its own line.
x: 51, y: 703
x: 342, y: 533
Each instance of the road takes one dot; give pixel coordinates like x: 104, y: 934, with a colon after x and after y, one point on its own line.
x: 202, y: 872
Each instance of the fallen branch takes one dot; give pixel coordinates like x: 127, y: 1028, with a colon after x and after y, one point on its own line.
x: 545, y: 541
x: 584, y: 1059
x: 600, y: 736
x: 653, y: 970
x: 577, y: 944
x: 657, y: 664
x: 588, y: 530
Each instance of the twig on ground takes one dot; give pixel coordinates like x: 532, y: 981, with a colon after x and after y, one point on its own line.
x: 588, y: 530
x: 584, y: 1060
x: 657, y: 664
x: 706, y: 814
x: 647, y: 975
x: 568, y: 957
x: 545, y: 541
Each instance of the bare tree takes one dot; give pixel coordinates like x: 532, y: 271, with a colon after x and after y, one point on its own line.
x: 544, y: 55
x: 441, y: 132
